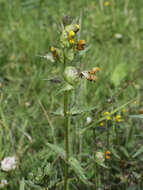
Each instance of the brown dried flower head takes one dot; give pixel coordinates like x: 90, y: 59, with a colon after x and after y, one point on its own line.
x: 80, y: 45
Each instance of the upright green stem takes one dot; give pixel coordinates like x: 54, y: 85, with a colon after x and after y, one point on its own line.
x: 66, y: 138
x: 117, y: 134
x: 95, y: 179
x: 108, y: 135
x: 108, y: 148
x: 66, y: 122
x: 95, y: 165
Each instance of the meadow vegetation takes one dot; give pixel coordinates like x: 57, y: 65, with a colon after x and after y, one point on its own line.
x: 105, y: 120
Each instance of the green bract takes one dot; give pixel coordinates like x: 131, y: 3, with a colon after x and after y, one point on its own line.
x: 72, y: 75
x: 64, y: 38
x: 99, y: 157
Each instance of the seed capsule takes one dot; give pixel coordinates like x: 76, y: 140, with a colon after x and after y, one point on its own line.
x: 72, y: 76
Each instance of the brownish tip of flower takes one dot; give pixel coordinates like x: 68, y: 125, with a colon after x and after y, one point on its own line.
x: 94, y: 70
x: 54, y: 52
x: 88, y: 76
x: 140, y: 111
x: 80, y: 45
x: 91, y: 78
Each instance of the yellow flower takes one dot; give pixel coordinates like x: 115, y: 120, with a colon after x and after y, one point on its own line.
x: 108, y: 117
x: 118, y: 118
x: 71, y: 34
x: 106, y: 113
x: 107, y: 154
x: 124, y: 110
x: 107, y: 3
x: 71, y: 37
x: 72, y: 41
x: 135, y: 102
x: 101, y: 124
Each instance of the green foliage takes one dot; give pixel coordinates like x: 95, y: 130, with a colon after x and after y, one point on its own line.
x: 22, y: 185
x: 113, y: 37
x: 118, y: 74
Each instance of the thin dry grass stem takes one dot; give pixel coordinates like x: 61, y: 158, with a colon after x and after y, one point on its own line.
x: 49, y: 121
x: 19, y: 154
x: 101, y: 3
x: 126, y: 5
x: 80, y: 24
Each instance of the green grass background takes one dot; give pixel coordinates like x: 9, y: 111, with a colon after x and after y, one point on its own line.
x: 29, y: 28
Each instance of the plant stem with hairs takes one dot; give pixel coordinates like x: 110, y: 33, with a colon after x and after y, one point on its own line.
x: 66, y: 122
x: 95, y: 164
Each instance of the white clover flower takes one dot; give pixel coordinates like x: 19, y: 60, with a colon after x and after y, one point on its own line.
x: 88, y: 120
x: 3, y: 183
x: 8, y: 163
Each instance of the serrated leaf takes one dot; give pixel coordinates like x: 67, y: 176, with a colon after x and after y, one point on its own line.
x: 72, y: 162
x: 22, y: 184
x: 58, y: 112
x: 138, y: 152
x: 78, y: 170
x: 102, y: 164
x: 124, y: 151
x: 70, y: 54
x: 57, y: 150
x: 137, y: 116
x: 65, y: 87
x: 79, y: 110
x: 115, y: 153
x: 31, y: 184
x: 137, y: 176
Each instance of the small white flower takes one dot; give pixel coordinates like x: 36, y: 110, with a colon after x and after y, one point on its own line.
x: 4, y: 183
x: 118, y: 36
x: 8, y: 163
x: 88, y: 120
x: 27, y: 104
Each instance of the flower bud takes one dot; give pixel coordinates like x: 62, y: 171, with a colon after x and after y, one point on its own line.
x: 76, y: 28
x: 72, y: 75
x: 67, y: 20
